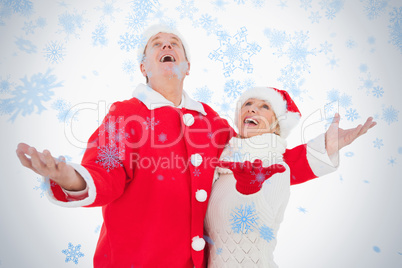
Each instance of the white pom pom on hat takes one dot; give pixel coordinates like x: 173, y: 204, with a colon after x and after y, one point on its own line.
x: 282, y: 104
x: 160, y: 28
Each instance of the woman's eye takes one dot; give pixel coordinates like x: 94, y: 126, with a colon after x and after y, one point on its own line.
x: 247, y: 103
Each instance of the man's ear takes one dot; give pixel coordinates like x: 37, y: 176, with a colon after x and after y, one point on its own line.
x: 188, y: 68
x: 142, y: 68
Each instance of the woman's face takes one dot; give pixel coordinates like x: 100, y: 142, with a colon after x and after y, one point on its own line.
x: 256, y: 118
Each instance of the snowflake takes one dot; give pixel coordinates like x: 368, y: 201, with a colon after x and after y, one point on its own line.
x: 25, y: 45
x: 349, y: 154
x: 368, y: 83
x: 23, y: 7
x: 187, y: 9
x: 73, y: 253
x: 29, y: 27
x: 145, y: 6
x: 258, y: 3
x: 31, y: 94
x: 282, y: 4
x: 267, y: 233
x: 396, y: 28
x: 378, y: 91
x: 326, y: 48
x: 108, y: 157
x: 292, y: 81
x: 378, y: 143
x: 64, y: 114
x: 5, y: 86
x: 129, y: 67
x: 371, y: 40
x: 301, y: 209
x: 54, y: 52
x: 331, y: 7
x: 233, y: 88
x: 392, y: 161
x: 43, y: 187
x: 306, y: 4
x: 218, y: 251
x: 244, y: 219
x: 162, y: 137
x: 108, y: 9
x: 160, y: 177
x: 203, y: 94
x: 374, y: 8
x: 351, y: 114
x: 150, y: 123
x: 240, y: 2
x: 210, y: 25
x: 196, y: 172
x: 41, y: 22
x: 390, y: 114
x: 98, y: 35
x: 71, y: 22
x: 129, y: 41
x: 97, y: 229
x: 333, y: 95
x: 333, y: 62
x: 345, y: 101
x: 315, y: 17
x: 363, y: 68
x: 260, y: 177
x: 350, y: 43
x: 276, y: 38
x: 219, y: 4
x: 136, y: 21
x: 235, y: 53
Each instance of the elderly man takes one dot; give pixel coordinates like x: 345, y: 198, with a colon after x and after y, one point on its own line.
x: 151, y: 163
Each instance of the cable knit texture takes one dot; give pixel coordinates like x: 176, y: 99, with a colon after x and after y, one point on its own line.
x: 244, y: 228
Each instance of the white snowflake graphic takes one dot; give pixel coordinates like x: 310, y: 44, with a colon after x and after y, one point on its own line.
x: 244, y: 219
x: 235, y: 52
x: 150, y: 123
x: 162, y: 137
x: 73, y: 253
x: 109, y: 157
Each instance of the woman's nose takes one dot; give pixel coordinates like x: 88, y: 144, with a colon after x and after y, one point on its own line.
x: 252, y: 109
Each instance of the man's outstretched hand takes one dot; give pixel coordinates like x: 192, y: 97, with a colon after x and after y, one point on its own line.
x: 336, y: 138
x: 45, y: 165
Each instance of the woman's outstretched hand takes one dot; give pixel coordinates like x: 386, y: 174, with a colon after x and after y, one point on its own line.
x: 46, y: 165
x: 336, y: 138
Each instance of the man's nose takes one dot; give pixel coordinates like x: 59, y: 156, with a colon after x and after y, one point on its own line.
x: 167, y: 45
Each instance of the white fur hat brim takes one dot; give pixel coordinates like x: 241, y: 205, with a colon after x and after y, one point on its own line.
x: 161, y: 28
x: 287, y: 120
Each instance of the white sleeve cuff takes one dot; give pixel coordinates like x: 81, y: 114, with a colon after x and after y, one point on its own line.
x: 318, y: 159
x: 78, y: 203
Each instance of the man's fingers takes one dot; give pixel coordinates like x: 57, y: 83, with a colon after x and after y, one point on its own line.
x: 49, y: 160
x: 25, y: 161
x: 37, y: 162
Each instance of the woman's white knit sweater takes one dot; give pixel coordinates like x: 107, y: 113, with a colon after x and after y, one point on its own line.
x: 243, y: 228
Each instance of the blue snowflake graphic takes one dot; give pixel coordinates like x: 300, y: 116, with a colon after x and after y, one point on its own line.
x: 150, y: 123
x: 29, y: 27
x: 73, y: 253
x: 25, y: 45
x: 108, y: 9
x: 233, y: 88
x: 392, y: 161
x: 276, y: 38
x: 333, y: 95
x: 129, y: 41
x: 331, y: 7
x: 349, y: 154
x: 345, y: 100
x: 371, y: 40
x: 390, y: 114
x: 218, y: 251
x: 71, y: 23
x: 306, y: 4
x: 378, y: 143
x: 351, y: 43
x: 333, y: 62
x: 41, y: 22
x: 99, y: 35
x: 244, y: 219
x: 5, y: 86
x: 326, y: 48
x: 209, y: 24
x: 351, y: 114
x: 315, y: 17
x: 141, y: 9
x: 368, y: 83
x: 203, y: 94
x: 30, y: 95
x: 129, y: 67
x: 196, y: 172
x: 374, y: 8
x: 301, y: 209
x: 378, y: 91
x: 136, y: 21
x: 64, y: 114
x: 109, y: 157
x: 23, y: 7
x: 259, y: 176
x: 266, y: 233
x: 363, y: 68
x: 235, y: 53
x: 219, y: 4
x: 187, y: 9
x: 54, y: 52
x: 376, y: 249
x: 162, y: 137
x: 43, y: 187
x: 395, y: 28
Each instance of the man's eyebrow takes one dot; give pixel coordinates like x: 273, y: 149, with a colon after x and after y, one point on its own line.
x: 158, y: 37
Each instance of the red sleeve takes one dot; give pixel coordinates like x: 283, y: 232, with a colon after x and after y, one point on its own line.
x: 300, y: 170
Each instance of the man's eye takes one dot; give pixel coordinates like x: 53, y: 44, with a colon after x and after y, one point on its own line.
x: 156, y: 44
x: 265, y: 106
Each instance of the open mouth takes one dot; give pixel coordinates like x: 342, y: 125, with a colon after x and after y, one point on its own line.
x: 251, y: 121
x: 167, y: 58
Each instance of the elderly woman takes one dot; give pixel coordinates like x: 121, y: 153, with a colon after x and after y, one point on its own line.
x: 252, y: 182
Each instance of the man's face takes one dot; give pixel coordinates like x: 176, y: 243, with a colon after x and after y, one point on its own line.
x: 256, y: 118
x: 165, y: 57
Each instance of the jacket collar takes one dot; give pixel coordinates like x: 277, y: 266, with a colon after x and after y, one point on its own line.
x: 154, y: 100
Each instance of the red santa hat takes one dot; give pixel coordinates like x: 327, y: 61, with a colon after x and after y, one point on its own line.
x: 160, y: 28
x: 282, y: 104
